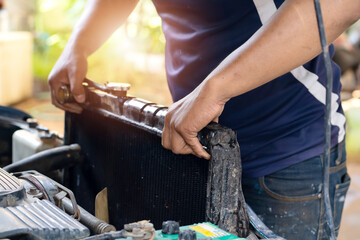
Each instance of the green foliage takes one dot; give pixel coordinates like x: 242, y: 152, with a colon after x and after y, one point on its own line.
x: 54, y: 22
x: 47, y: 49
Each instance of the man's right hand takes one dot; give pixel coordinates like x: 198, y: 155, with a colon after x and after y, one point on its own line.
x: 98, y: 21
x: 70, y: 69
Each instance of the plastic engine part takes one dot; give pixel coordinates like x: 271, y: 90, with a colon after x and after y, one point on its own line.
x: 201, y: 231
x: 21, y: 214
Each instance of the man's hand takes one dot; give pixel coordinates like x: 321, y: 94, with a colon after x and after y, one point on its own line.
x: 187, y: 117
x: 98, y: 21
x: 70, y: 69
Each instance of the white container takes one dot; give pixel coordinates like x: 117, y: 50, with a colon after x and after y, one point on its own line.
x: 26, y: 143
x: 16, y: 81
x: 4, y: 21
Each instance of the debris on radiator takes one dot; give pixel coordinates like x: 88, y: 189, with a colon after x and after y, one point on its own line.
x: 225, y: 204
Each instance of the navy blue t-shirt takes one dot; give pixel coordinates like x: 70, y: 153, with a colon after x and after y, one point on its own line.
x: 278, y: 124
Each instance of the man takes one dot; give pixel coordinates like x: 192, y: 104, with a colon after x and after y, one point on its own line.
x: 254, y: 65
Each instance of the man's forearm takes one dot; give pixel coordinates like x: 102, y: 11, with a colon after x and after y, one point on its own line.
x: 285, y: 42
x: 98, y: 21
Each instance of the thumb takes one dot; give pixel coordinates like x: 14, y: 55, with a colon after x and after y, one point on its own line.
x: 77, y: 89
x: 78, y: 92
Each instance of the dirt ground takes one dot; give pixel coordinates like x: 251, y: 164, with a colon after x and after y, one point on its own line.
x: 53, y: 118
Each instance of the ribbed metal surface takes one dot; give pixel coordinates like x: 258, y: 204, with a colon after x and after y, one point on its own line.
x: 8, y: 182
x: 40, y: 218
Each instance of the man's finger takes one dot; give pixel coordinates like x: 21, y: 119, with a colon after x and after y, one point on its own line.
x: 165, y: 136
x: 178, y: 144
x: 197, y: 148
x: 71, y: 107
x: 75, y: 108
x: 76, y: 87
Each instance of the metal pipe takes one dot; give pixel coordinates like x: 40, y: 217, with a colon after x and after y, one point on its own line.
x: 48, y: 160
x: 96, y: 225
x: 108, y: 236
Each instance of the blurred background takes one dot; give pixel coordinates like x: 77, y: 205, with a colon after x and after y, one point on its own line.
x: 33, y: 34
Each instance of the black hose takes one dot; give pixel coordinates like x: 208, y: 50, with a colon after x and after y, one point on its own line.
x: 48, y: 160
x: 329, y: 81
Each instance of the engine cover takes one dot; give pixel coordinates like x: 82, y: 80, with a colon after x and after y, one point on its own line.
x: 22, y: 214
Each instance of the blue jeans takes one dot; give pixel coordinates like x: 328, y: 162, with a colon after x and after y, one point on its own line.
x: 290, y: 202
